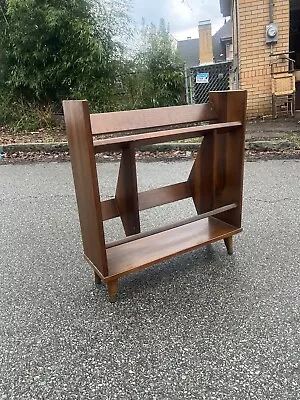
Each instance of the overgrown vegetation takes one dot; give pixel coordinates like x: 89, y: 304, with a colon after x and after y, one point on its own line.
x: 157, y: 75
x: 57, y: 49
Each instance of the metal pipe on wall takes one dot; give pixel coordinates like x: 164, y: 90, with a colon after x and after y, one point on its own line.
x: 271, y: 8
x: 236, y: 11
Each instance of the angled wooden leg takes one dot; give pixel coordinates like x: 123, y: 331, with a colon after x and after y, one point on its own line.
x: 112, y: 288
x: 229, y: 245
x: 98, y: 280
x: 194, y: 181
x: 202, y: 179
x: 126, y: 193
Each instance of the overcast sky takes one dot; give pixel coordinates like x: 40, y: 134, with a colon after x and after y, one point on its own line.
x: 182, y: 15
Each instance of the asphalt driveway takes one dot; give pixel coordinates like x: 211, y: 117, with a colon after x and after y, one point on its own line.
x: 204, y: 325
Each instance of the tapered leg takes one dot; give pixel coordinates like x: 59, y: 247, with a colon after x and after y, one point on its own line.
x: 229, y: 245
x: 112, y: 288
x: 97, y: 279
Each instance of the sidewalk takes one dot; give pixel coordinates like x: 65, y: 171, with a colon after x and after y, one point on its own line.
x: 261, y: 136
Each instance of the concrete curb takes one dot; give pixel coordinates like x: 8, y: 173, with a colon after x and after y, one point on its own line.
x: 261, y: 145
x: 272, y: 145
x: 34, y: 147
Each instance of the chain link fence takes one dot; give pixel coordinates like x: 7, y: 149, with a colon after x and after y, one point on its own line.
x: 201, y: 80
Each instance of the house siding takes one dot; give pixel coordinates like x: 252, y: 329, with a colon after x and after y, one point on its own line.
x: 225, y: 32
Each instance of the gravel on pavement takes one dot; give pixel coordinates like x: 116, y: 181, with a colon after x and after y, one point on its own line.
x: 203, y: 325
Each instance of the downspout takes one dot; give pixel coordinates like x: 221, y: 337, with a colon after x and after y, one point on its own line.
x: 271, y: 10
x: 237, y: 43
x: 271, y: 17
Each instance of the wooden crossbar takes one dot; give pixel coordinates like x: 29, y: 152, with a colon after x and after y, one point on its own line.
x: 149, y: 198
x: 143, y: 139
x: 135, y: 120
x: 172, y: 226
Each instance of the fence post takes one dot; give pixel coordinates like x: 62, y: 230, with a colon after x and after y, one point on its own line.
x: 186, y: 84
x: 191, y: 86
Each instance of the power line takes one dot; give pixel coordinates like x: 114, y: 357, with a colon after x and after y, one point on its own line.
x: 187, y: 4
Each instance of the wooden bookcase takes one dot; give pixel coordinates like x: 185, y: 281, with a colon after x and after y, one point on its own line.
x: 215, y: 181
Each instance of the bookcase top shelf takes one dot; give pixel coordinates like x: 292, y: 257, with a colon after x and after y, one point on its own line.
x: 142, y: 139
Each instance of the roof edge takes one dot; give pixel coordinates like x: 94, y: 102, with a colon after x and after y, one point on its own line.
x: 225, y: 7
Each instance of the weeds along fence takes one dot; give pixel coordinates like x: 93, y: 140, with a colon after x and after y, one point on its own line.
x: 133, y: 90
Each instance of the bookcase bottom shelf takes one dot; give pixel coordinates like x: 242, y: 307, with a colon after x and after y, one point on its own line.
x: 129, y: 257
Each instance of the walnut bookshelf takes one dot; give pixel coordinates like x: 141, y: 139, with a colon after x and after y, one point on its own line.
x: 215, y: 182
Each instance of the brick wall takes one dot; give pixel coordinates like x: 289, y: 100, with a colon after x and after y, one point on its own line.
x: 254, y: 53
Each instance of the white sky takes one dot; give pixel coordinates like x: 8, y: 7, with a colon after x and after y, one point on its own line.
x: 182, y: 15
